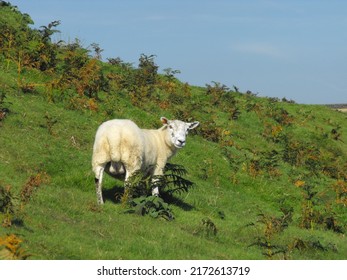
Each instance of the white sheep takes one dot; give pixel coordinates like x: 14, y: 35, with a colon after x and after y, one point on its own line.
x: 122, y: 148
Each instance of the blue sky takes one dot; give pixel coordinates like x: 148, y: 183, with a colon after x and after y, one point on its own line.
x: 279, y: 48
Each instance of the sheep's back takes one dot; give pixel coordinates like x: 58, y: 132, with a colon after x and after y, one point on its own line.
x: 121, y: 138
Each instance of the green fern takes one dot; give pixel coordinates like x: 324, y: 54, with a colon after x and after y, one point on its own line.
x: 172, y: 181
x: 153, y: 206
x: 139, y: 185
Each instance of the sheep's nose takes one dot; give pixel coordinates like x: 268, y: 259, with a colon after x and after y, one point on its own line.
x: 182, y: 142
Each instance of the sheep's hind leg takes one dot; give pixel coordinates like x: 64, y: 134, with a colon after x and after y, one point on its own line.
x: 98, y: 184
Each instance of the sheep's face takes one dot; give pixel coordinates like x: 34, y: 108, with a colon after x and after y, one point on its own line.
x: 178, y: 131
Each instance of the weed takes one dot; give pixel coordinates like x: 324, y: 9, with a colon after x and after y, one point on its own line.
x: 271, y: 227
x: 234, y: 113
x: 3, y: 106
x: 115, y: 61
x: 147, y: 72
x: 170, y: 73
x: 336, y: 133
x: 310, y: 212
x: 314, y: 213
x: 97, y: 50
x: 206, y: 228
x: 50, y: 123
x: 33, y: 183
x: 273, y: 132
x: 264, y: 162
x: 216, y: 91
x: 11, y: 249
x: 9, y: 206
x: 153, y: 206
x: 311, y: 244
x: 300, y: 153
x: 211, y: 131
x: 27, y: 88
x: 340, y: 188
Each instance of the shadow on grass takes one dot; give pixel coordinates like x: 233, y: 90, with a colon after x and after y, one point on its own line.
x: 115, y: 194
x: 171, y: 199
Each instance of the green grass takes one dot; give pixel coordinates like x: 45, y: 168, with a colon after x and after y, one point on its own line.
x: 247, y: 171
x: 62, y: 221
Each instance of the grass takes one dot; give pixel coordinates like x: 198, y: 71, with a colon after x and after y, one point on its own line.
x: 62, y: 221
x: 248, y: 168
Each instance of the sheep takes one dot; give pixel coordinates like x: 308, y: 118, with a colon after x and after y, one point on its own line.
x: 121, y: 148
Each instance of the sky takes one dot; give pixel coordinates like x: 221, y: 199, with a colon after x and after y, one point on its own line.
x: 295, y: 49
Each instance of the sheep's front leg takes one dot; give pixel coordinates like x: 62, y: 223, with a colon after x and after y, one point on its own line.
x: 158, y: 171
x: 155, y: 190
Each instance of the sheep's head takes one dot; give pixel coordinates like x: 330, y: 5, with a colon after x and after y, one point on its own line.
x: 178, y: 130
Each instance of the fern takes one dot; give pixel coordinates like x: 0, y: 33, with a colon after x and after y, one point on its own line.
x: 153, y: 206
x: 173, y: 181
x: 139, y: 185
x: 175, y: 168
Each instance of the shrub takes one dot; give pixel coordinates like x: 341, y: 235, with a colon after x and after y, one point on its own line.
x: 80, y: 72
x: 8, y: 205
x: 10, y: 248
x: 216, y: 91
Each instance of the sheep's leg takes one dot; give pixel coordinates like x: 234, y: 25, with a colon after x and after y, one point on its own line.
x: 127, y: 185
x: 99, y: 174
x: 155, y: 191
x: 158, y: 171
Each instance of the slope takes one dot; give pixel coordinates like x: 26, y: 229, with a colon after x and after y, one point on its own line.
x: 270, y: 175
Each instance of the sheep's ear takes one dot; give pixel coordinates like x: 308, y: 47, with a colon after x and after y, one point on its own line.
x: 193, y: 125
x: 164, y: 120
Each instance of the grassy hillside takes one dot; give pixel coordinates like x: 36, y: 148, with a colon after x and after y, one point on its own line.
x: 270, y: 176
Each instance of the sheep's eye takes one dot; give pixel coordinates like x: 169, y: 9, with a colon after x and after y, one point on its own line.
x: 170, y: 126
